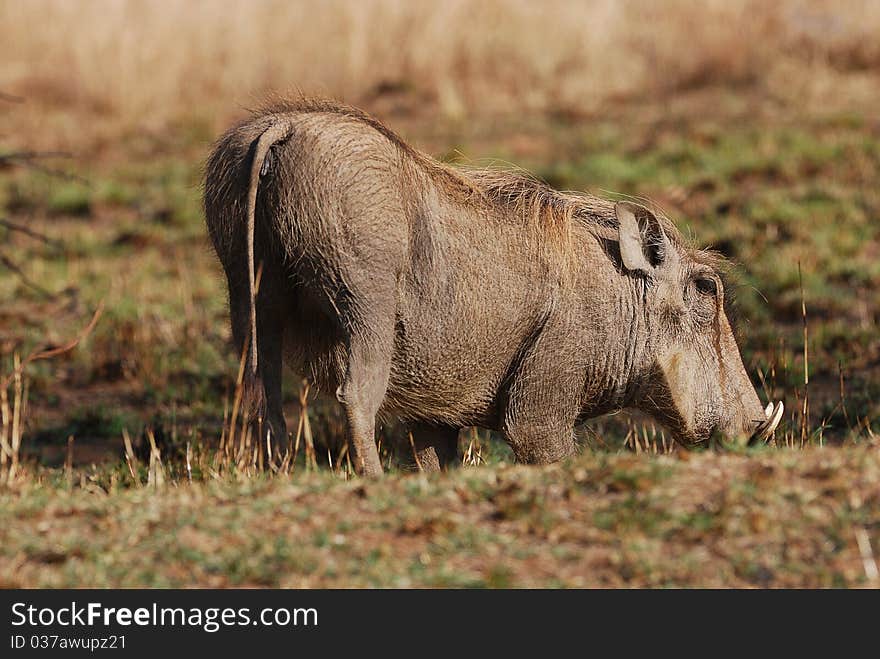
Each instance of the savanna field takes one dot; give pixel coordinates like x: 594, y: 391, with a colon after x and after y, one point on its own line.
x: 124, y: 461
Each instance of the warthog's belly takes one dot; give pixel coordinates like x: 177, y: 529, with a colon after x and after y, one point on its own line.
x: 449, y: 369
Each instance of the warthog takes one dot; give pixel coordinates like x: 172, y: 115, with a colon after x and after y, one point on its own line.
x: 456, y: 297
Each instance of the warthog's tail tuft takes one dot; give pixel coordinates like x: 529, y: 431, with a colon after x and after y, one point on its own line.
x: 277, y: 132
x: 253, y: 398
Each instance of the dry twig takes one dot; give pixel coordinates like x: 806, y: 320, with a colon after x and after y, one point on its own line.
x: 48, y: 353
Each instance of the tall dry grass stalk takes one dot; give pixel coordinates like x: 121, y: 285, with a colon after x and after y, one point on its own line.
x: 11, y: 420
x: 140, y: 65
x: 13, y: 415
x: 805, y: 412
x: 245, y: 449
x: 473, y: 453
x: 646, y: 438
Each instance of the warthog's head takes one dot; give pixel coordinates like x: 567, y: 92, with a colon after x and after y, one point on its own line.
x: 695, y: 381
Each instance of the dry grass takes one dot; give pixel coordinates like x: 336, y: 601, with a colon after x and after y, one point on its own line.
x: 13, y: 415
x: 782, y: 519
x: 95, y: 68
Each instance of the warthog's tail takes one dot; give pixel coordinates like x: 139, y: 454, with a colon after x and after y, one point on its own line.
x: 277, y: 132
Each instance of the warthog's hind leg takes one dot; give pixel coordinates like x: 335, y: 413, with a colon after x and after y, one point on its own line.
x: 264, y: 390
x: 369, y: 342
x: 436, y: 448
x: 270, y: 330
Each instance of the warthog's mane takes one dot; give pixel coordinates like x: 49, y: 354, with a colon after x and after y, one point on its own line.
x: 515, y: 193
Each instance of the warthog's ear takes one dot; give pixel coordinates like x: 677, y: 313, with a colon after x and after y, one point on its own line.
x: 642, y: 241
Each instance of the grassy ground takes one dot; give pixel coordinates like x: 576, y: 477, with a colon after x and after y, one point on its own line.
x: 790, y: 518
x: 769, y: 153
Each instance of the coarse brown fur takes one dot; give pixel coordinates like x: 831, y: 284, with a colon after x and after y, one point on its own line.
x: 454, y: 296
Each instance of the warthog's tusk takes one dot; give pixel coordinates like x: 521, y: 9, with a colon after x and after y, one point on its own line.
x: 766, y: 429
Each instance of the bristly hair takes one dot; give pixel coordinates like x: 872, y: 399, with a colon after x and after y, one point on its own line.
x: 518, y: 194
x: 533, y: 200
x: 536, y: 203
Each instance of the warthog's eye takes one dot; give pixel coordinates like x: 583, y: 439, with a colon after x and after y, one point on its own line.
x: 706, y: 286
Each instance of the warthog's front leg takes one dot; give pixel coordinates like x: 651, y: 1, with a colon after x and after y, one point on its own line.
x: 542, y: 400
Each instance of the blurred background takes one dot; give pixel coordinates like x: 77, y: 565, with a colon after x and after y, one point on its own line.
x: 755, y: 125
